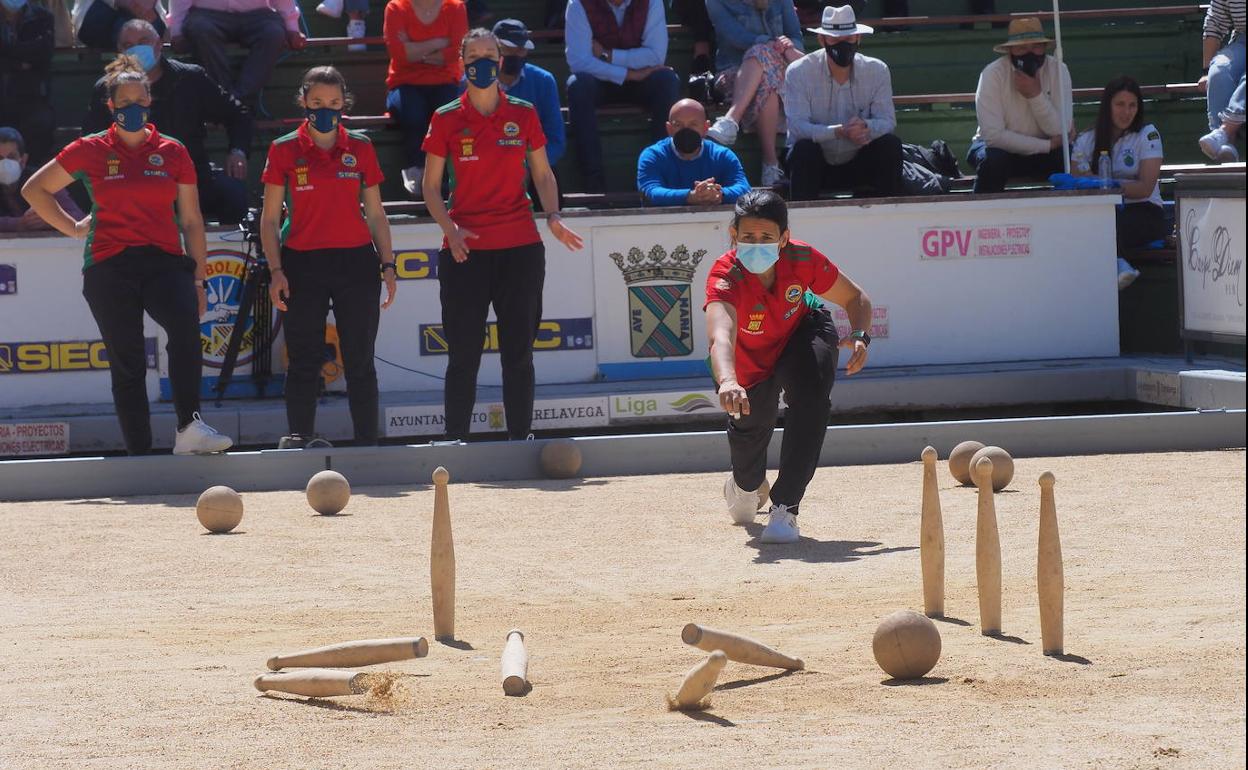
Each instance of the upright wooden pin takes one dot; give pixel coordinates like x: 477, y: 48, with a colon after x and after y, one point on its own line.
x: 1049, y: 579
x: 698, y: 683
x: 932, y: 540
x: 442, y: 560
x: 515, y: 666
x: 987, y: 552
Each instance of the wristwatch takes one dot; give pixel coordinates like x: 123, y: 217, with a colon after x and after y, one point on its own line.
x: 859, y: 334
x: 605, y: 55
x: 389, y: 266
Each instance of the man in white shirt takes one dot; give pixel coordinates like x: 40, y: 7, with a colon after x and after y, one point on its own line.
x: 1023, y: 104
x: 838, y: 105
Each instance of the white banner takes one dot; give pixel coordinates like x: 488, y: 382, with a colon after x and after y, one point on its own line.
x: 489, y: 417
x: 633, y: 407
x: 34, y: 438
x: 1212, y: 260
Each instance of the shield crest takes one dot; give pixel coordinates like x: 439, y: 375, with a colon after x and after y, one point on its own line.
x: 661, y: 320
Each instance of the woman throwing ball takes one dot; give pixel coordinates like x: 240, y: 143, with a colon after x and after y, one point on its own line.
x: 765, y: 337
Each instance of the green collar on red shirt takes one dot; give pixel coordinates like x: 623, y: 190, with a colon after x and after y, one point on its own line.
x: 151, y: 142
x: 308, y: 143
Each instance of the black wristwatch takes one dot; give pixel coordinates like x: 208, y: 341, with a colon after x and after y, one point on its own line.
x: 389, y: 266
x: 859, y: 334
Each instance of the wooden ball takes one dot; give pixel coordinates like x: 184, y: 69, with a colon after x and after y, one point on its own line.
x: 1002, y: 465
x: 219, y: 509
x: 906, y: 645
x: 960, y: 461
x: 328, y: 492
x: 561, y: 459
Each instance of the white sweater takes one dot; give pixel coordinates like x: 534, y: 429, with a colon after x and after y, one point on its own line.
x: 1010, y: 121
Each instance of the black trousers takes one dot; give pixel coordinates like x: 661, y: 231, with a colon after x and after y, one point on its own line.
x: 349, y: 280
x: 1139, y: 224
x: 36, y: 121
x: 222, y: 198
x: 805, y: 372
x: 874, y: 171
x: 995, y: 167
x: 511, y: 280
x: 118, y: 291
x: 657, y: 93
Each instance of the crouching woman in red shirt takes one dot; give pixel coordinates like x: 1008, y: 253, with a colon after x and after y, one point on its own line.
x: 142, y: 188
x: 328, y: 252
x: 766, y: 337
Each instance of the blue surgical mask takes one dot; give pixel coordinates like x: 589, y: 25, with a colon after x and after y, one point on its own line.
x: 482, y: 73
x: 758, y: 257
x: 324, y: 119
x: 145, y: 54
x: 13, y: 6
x: 131, y: 118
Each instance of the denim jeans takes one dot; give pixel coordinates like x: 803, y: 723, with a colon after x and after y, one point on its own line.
x: 413, y: 107
x: 1226, y: 84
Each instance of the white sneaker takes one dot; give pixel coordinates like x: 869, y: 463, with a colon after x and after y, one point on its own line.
x: 411, y: 179
x: 199, y: 438
x: 1212, y: 144
x: 1228, y: 154
x: 742, y: 504
x: 1126, y: 274
x: 356, y: 28
x: 771, y: 174
x: 782, y: 528
x: 724, y: 131
x: 330, y: 8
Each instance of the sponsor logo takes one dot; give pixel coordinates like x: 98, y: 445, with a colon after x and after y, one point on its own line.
x: 62, y: 356
x: 754, y: 324
x: 113, y: 168
x: 552, y: 334
x: 648, y: 405
x: 551, y: 414
x: 465, y: 148
x: 879, y: 322
x: 793, y: 293
x: 510, y: 142
x: 348, y: 160
x: 348, y: 175
x: 301, y: 175
x: 8, y: 279
x: 150, y: 172
x: 416, y: 264
x: 511, y: 129
x: 988, y: 242
x: 156, y: 159
x: 227, y: 271
x: 659, y: 299
x: 34, y: 438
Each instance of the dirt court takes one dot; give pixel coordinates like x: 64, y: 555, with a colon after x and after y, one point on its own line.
x: 128, y: 638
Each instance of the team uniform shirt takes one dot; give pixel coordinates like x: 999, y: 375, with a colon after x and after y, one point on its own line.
x: 488, y: 160
x: 133, y: 191
x: 324, y: 189
x: 1131, y: 148
x: 766, y: 319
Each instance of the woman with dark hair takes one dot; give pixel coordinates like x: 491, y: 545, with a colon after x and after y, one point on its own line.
x: 1134, y: 151
x: 329, y: 252
x: 144, y: 212
x: 769, y: 332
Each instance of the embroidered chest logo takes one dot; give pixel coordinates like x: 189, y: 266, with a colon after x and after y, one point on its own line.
x: 511, y: 129
x: 755, y: 326
x: 793, y: 293
x: 466, y: 147
x: 301, y: 174
x: 1128, y: 159
x: 156, y: 159
x: 349, y: 160
x: 112, y: 167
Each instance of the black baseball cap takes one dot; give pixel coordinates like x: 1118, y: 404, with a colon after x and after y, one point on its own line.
x: 513, y: 33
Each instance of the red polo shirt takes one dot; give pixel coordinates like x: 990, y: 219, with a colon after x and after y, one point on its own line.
x: 767, y: 318
x: 133, y: 191
x: 324, y: 190
x: 488, y: 160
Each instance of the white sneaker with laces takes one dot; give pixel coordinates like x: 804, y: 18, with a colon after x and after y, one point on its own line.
x: 411, y: 179
x: 742, y: 504
x: 356, y: 28
x: 724, y: 131
x: 1211, y: 144
x: 771, y: 174
x: 330, y: 8
x: 199, y: 438
x: 1126, y: 274
x: 1228, y: 154
x: 782, y: 528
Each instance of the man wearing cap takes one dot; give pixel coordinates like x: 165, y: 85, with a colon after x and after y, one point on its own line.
x: 687, y: 169
x: 1023, y: 104
x: 529, y: 82
x: 839, y: 108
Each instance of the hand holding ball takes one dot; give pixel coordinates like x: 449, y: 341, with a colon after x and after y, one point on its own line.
x: 219, y: 509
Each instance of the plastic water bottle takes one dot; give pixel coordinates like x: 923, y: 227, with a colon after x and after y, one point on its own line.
x: 1105, y: 170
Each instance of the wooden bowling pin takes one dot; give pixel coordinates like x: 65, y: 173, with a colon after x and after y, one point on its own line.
x: 739, y: 648
x: 699, y: 682
x: 1049, y: 579
x: 515, y: 666
x: 442, y: 560
x: 366, y: 652
x: 313, y: 682
x: 987, y: 551
x: 932, y: 540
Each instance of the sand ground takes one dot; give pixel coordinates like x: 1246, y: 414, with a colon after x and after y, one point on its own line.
x: 128, y: 638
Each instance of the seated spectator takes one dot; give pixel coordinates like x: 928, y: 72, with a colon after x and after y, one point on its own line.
x: 62, y: 22
x: 757, y: 41
x: 184, y: 100
x: 686, y: 169
x: 1134, y: 149
x: 1020, y: 101
x: 97, y: 23
x: 26, y: 42
x: 265, y: 27
x: 422, y: 37
x: 839, y: 107
x: 616, y: 50
x: 356, y: 11
x: 692, y: 14
x: 525, y: 80
x: 1223, y: 78
x: 16, y: 215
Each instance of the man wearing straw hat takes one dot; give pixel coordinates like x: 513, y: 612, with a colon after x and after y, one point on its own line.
x: 1019, y: 102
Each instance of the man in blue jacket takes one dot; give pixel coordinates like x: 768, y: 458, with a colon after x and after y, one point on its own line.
x: 531, y: 83
x: 687, y: 169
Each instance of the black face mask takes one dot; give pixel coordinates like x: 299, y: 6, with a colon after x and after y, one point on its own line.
x: 1028, y: 64
x: 842, y: 54
x: 511, y: 65
x: 687, y: 141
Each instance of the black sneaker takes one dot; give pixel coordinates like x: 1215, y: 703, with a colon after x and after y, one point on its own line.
x: 297, y: 441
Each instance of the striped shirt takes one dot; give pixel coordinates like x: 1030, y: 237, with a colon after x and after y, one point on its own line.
x: 1224, y: 17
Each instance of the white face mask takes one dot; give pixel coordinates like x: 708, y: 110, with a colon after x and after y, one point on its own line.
x: 10, y: 171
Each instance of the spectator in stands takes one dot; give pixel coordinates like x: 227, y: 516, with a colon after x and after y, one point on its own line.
x: 27, y: 37
x: 492, y: 253
x: 616, y: 50
x: 16, y: 215
x: 97, y: 23
x: 757, y: 41
x: 356, y: 11
x: 334, y: 250
x: 184, y: 101
x: 1134, y: 149
x: 422, y: 37
x: 143, y: 224
x: 692, y: 14
x: 1020, y: 103
x: 525, y: 80
x: 686, y: 169
x: 839, y: 107
x: 1223, y: 78
x: 265, y: 27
